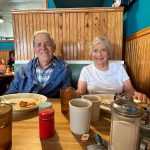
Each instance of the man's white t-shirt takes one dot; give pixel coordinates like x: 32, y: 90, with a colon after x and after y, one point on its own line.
x: 109, y: 82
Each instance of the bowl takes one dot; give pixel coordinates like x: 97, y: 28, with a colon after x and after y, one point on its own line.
x: 23, y: 102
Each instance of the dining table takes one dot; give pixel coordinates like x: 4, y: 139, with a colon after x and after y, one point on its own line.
x: 6, y: 74
x: 25, y: 131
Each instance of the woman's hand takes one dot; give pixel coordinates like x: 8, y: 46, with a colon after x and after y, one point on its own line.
x: 142, y: 97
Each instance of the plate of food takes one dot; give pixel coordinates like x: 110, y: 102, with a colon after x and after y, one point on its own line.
x: 23, y: 102
x: 106, y: 100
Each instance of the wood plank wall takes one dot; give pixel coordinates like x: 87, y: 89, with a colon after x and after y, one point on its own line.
x: 137, y: 58
x: 4, y: 54
x: 72, y: 29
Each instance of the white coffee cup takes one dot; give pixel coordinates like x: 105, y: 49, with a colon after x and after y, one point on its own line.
x: 95, y: 111
x: 80, y: 113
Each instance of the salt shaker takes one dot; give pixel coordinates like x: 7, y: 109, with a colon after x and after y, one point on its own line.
x: 46, y: 120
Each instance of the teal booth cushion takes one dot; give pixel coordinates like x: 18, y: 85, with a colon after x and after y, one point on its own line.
x: 75, y: 66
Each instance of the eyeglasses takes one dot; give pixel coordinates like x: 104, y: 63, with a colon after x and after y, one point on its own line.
x: 96, y: 51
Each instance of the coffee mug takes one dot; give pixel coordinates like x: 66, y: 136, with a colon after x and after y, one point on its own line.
x: 95, y: 111
x: 80, y: 113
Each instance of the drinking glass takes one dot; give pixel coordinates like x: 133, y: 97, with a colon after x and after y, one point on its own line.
x: 5, y: 126
x: 66, y: 94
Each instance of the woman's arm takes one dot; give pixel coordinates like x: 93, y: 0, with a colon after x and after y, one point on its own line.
x: 129, y: 90
x: 81, y: 89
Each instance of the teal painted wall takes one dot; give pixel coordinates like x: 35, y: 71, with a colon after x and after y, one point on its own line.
x: 137, y: 17
x: 51, y: 4
x: 107, y: 3
x: 77, y: 3
x: 7, y: 46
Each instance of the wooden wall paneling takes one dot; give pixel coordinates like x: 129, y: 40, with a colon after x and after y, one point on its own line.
x: 67, y: 20
x: 27, y: 43
x: 52, y: 23
x: 60, y: 35
x: 21, y: 42
x: 4, y: 54
x: 118, y: 36
x: 17, y: 39
x: 24, y: 30
x: 103, y: 24
x: 138, y: 58
x: 144, y: 60
x: 75, y: 37
x: 56, y: 29
x: 66, y: 36
x: 78, y: 36
x: 72, y: 29
x: 81, y: 36
x: 64, y: 43
x: 31, y: 32
x: 49, y: 24
x: 88, y: 34
x: 96, y: 25
x: 34, y: 23
x: 56, y: 32
x: 136, y: 66
x: 134, y: 49
x: 38, y: 21
x: 111, y: 31
x: 71, y: 36
x: 137, y: 54
x: 147, y: 64
x: 42, y: 21
x: 24, y: 36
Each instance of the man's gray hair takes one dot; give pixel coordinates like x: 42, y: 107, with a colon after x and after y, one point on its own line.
x: 51, y: 40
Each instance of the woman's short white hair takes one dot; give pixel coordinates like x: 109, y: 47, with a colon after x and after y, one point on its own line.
x: 52, y: 42
x: 99, y: 40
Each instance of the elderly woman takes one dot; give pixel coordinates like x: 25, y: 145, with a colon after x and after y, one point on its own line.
x: 105, y: 77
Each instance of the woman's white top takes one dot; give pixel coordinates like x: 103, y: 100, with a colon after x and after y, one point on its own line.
x: 109, y: 82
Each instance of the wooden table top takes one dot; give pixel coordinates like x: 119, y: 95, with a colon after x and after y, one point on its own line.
x: 25, y: 132
x: 10, y: 74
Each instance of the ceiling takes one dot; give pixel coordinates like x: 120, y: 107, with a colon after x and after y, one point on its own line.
x: 6, y: 6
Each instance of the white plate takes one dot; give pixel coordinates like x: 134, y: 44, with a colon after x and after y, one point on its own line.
x: 106, y: 98
x: 26, y: 97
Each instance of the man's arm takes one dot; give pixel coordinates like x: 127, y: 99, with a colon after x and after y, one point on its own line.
x: 14, y: 86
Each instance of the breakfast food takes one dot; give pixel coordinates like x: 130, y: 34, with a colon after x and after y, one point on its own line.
x: 106, y: 102
x: 26, y: 104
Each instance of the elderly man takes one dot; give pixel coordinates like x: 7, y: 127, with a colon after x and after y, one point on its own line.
x: 46, y: 73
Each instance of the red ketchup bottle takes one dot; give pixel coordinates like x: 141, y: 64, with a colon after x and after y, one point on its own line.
x: 46, y: 120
